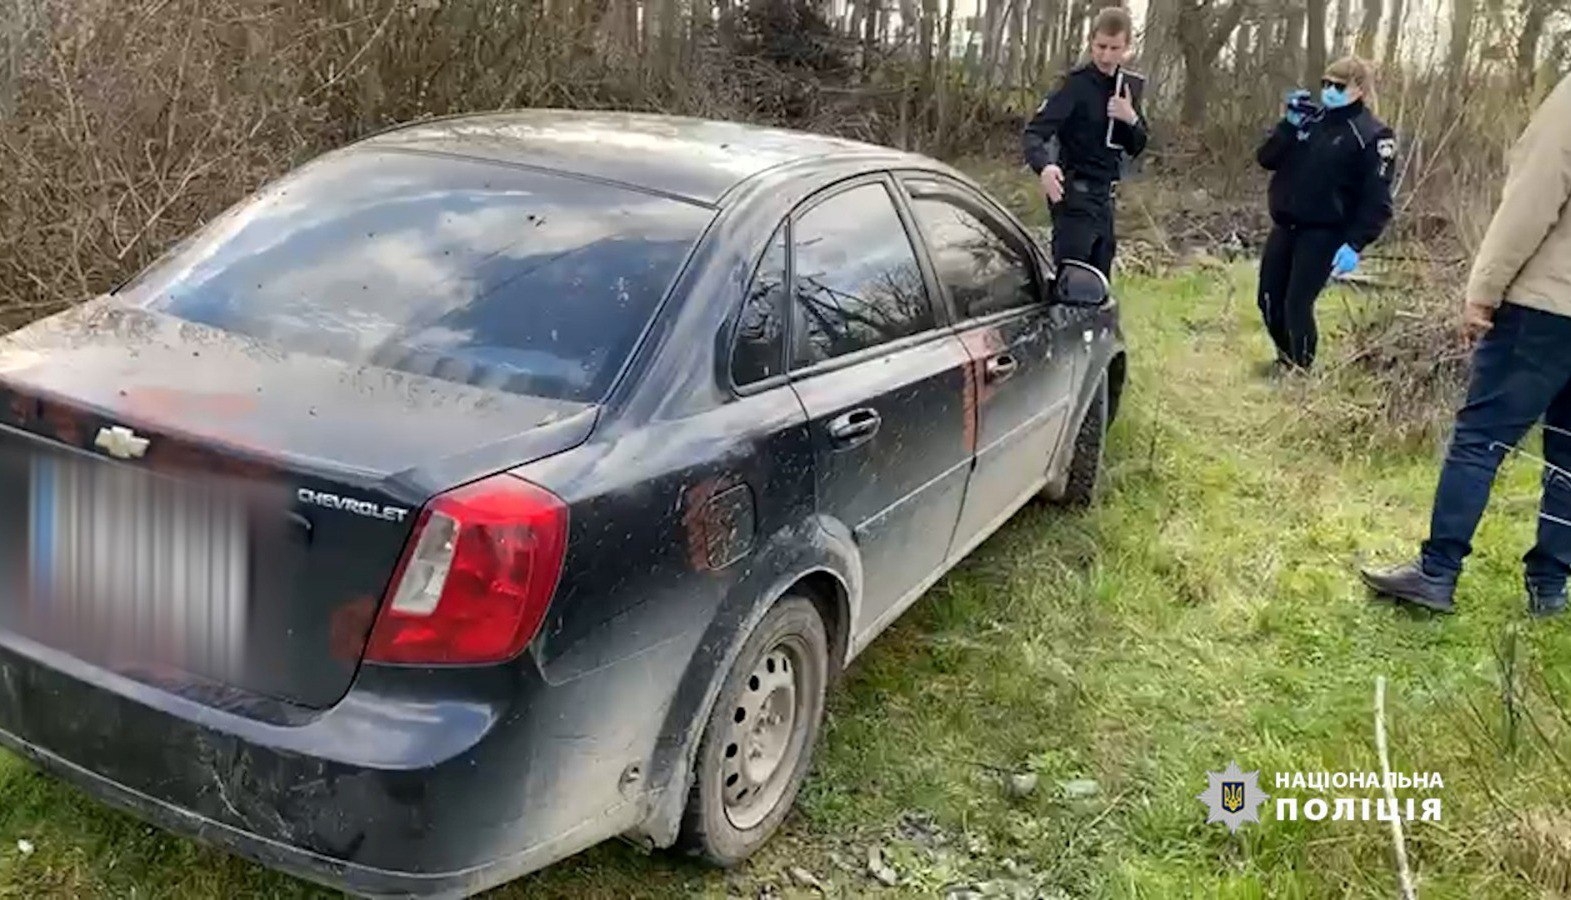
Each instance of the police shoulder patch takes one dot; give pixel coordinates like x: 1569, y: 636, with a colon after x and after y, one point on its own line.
x: 1386, y: 147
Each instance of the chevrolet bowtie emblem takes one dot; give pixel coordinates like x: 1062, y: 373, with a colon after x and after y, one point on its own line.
x: 120, y: 442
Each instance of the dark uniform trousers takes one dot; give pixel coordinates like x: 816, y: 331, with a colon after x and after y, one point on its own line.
x: 1294, y: 267
x: 1083, y: 224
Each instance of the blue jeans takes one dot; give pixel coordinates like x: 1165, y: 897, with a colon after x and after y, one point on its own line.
x: 1521, y: 371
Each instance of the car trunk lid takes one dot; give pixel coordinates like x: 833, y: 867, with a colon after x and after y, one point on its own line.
x: 179, y: 499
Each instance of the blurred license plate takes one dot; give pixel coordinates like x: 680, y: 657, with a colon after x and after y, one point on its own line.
x: 137, y: 567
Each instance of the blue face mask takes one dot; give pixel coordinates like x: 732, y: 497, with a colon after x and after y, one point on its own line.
x: 1334, y: 97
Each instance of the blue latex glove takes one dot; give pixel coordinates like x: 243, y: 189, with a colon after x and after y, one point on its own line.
x: 1293, y: 116
x: 1346, y: 261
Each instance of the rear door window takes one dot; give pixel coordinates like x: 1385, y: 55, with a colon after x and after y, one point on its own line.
x: 857, y: 283
x: 521, y: 281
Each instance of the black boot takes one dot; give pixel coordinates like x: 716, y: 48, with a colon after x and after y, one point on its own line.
x: 1543, y: 602
x: 1410, y: 582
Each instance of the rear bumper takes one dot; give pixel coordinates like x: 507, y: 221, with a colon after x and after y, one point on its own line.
x: 422, y: 783
x: 357, y: 879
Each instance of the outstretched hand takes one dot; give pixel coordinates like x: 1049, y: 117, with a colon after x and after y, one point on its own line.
x: 1122, y: 107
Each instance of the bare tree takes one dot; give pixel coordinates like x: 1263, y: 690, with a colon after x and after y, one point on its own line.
x: 1369, y: 29
x: 1393, y: 33
x: 11, y: 44
x: 1159, y: 55
x: 872, y: 27
x: 1344, y: 12
x: 1463, y: 13
x: 1261, y: 41
x: 1014, y: 45
x: 925, y: 37
x: 908, y: 20
x: 1533, y: 22
x: 1315, y: 46
x: 1039, y: 32
x: 1203, y: 29
x: 1294, y: 42
x: 1072, y: 35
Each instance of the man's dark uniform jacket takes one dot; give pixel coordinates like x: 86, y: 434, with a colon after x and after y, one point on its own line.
x: 1070, y: 129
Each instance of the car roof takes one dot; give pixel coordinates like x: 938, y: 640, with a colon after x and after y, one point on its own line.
x: 699, y: 160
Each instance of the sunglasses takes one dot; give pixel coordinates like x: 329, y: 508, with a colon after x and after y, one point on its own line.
x: 1333, y: 83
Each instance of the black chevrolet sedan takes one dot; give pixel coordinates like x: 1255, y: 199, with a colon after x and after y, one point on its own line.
x: 498, y: 485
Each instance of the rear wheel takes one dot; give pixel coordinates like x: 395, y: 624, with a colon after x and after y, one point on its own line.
x: 759, y: 739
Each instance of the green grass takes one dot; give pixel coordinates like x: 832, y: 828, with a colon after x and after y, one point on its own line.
x: 1205, y: 611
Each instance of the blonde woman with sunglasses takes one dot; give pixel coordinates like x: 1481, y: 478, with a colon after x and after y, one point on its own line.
x: 1331, y: 165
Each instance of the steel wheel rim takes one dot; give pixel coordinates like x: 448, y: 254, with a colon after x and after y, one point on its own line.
x: 762, y: 742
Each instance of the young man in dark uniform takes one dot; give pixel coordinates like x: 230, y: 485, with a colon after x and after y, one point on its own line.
x: 1330, y: 197
x: 1075, y: 153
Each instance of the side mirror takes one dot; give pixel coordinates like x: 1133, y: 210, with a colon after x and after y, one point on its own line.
x: 1080, y: 284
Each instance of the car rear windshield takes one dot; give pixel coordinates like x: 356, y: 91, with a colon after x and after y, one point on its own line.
x: 513, y: 279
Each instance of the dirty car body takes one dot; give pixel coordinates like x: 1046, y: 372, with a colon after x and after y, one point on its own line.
x: 664, y: 370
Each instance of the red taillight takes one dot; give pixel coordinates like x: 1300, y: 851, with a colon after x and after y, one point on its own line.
x: 476, y: 581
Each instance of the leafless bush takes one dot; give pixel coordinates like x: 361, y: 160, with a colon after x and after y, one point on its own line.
x: 1404, y: 367
x: 129, y: 123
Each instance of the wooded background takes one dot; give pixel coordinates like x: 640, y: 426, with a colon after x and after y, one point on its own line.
x: 123, y: 123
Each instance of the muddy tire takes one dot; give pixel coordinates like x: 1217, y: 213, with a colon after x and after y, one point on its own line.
x: 759, y: 740
x: 1085, y: 465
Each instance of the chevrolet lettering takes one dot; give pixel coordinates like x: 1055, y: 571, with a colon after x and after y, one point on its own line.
x: 350, y: 504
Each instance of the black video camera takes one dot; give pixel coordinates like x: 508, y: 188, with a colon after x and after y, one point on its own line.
x: 1303, y: 103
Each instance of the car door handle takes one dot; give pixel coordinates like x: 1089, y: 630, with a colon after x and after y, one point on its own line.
x: 855, y: 425
x: 1001, y: 367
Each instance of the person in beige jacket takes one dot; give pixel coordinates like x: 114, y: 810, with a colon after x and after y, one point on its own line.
x: 1517, y: 314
